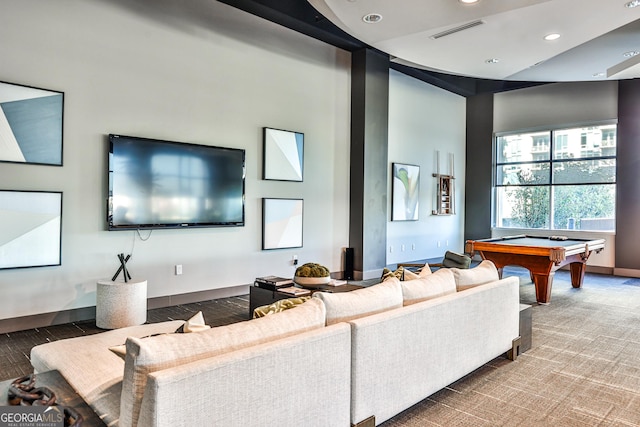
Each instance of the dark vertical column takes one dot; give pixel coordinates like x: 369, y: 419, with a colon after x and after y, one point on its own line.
x: 479, y: 167
x: 628, y: 176
x: 369, y: 168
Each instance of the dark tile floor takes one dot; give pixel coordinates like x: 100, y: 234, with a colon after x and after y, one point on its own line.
x: 16, y: 346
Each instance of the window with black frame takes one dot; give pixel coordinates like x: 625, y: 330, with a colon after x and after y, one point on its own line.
x: 559, y: 179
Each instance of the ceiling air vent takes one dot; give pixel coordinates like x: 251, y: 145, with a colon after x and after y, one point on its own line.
x: 457, y: 29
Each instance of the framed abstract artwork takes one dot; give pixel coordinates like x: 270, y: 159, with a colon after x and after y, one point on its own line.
x: 281, y: 223
x: 283, y: 155
x: 30, y: 125
x: 30, y: 229
x: 405, y: 189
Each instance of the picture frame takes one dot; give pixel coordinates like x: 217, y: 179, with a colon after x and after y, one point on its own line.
x: 282, y: 223
x: 283, y: 155
x: 30, y: 228
x: 405, y: 192
x: 31, y: 124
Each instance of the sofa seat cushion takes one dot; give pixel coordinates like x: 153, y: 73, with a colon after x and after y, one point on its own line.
x: 345, y: 306
x: 152, y: 354
x: 484, y: 272
x: 435, y: 285
x: 90, y: 368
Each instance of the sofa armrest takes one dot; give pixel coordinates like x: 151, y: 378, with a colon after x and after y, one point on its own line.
x: 299, y: 380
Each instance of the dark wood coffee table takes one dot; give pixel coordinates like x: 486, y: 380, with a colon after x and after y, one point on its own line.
x: 65, y: 396
x: 260, y: 296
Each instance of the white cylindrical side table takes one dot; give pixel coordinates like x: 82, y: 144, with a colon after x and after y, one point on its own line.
x: 120, y: 304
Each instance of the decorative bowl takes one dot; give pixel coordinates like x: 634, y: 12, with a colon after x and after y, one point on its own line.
x: 311, y: 282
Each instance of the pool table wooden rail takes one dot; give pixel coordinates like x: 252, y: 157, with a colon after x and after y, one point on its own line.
x: 556, y: 253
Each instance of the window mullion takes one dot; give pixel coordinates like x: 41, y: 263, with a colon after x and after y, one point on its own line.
x: 552, y: 136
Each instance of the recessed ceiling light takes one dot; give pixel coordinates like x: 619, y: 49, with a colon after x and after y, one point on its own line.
x: 372, y: 18
x: 492, y: 61
x: 475, y: 1
x: 552, y: 36
x: 630, y: 54
x: 634, y: 3
x: 598, y: 74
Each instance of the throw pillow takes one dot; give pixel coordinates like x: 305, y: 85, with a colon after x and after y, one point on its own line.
x: 278, y: 306
x: 345, y: 306
x: 455, y: 260
x: 194, y: 324
x: 410, y: 275
x: 432, y: 286
x: 388, y: 274
x: 424, y: 272
x: 485, y: 272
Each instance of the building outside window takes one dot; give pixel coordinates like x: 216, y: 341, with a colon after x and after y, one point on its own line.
x: 558, y: 179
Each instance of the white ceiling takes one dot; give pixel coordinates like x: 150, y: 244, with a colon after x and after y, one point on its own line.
x: 594, y: 36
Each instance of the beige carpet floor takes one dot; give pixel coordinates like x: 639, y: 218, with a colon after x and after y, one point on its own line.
x: 583, y: 368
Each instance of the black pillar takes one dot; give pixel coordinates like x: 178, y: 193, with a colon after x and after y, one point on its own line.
x: 369, y: 165
x: 627, y: 254
x: 479, y: 167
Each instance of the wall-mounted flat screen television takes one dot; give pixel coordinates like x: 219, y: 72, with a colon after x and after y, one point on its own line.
x: 165, y: 184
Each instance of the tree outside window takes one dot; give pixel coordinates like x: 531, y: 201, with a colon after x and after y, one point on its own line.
x: 560, y: 179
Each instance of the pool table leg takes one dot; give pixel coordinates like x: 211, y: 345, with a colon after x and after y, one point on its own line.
x: 577, y: 273
x: 543, y: 283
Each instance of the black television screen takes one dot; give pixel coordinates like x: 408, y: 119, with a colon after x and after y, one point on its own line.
x: 165, y: 184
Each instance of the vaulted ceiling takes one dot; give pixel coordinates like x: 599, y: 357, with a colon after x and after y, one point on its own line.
x: 489, y: 46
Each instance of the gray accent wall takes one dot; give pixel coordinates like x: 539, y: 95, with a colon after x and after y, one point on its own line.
x: 628, y: 179
x: 479, y: 167
x: 368, y: 176
x: 555, y: 104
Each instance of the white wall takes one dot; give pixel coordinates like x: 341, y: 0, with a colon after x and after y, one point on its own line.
x: 424, y: 119
x: 559, y: 104
x: 197, y: 71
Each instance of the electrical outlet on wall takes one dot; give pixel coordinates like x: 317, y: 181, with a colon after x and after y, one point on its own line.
x: 178, y: 269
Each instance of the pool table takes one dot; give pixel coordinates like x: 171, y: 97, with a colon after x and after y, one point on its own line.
x: 541, y: 255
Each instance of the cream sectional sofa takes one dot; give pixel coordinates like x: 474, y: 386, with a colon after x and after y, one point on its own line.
x: 346, y: 358
x: 286, y: 369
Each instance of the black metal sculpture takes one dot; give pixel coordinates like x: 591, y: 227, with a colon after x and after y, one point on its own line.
x: 123, y: 268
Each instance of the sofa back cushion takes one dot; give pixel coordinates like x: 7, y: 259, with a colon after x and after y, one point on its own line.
x: 345, y: 306
x: 485, y: 272
x: 156, y: 353
x: 437, y: 284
